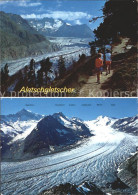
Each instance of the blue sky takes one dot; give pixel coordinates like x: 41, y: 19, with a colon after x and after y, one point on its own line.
x: 72, y: 11
x: 111, y: 107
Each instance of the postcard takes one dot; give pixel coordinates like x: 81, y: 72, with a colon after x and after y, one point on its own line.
x: 73, y: 146
x: 68, y: 48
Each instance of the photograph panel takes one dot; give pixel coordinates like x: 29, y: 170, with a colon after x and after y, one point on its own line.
x: 68, y: 48
x: 69, y: 146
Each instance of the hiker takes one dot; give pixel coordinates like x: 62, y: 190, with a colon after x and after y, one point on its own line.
x: 108, y: 61
x: 98, y: 66
x: 102, y: 57
x: 101, y: 52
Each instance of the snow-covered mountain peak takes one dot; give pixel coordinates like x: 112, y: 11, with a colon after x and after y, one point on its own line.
x: 46, y: 24
x: 104, y: 121
x: 62, y: 118
x: 60, y: 28
x: 58, y: 114
x: 76, y: 119
x: 104, y: 125
x: 72, y: 123
x: 19, y: 125
x: 101, y: 124
x: 101, y: 117
x: 23, y: 111
x: 22, y: 115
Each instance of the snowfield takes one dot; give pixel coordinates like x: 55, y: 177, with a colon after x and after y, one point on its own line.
x: 19, y: 127
x: 96, y: 159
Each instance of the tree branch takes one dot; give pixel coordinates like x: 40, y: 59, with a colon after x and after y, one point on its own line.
x: 96, y: 18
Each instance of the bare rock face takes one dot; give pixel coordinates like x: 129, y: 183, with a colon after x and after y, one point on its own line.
x: 55, y: 130
x: 128, y: 172
x: 127, y: 125
x: 64, y: 189
x: 26, y: 134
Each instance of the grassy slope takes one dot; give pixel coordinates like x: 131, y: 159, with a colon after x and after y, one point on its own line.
x: 125, y: 71
x: 77, y: 75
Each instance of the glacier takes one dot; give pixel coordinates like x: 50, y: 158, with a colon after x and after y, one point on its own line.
x: 96, y: 159
x: 70, y: 49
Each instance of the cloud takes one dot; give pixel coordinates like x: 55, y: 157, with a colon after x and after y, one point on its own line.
x: 4, y: 2
x: 22, y: 3
x: 78, y: 22
x: 64, y: 15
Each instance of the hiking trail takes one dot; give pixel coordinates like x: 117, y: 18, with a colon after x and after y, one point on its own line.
x: 92, y: 89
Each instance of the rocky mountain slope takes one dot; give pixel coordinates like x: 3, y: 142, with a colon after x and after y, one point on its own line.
x: 64, y: 189
x: 19, y: 39
x: 54, y: 131
x: 16, y: 127
x: 31, y: 134
x: 127, y: 125
x: 23, y: 115
x: 59, y: 28
x: 127, y: 172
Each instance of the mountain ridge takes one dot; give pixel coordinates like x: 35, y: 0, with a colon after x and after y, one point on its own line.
x: 35, y: 134
x: 19, y: 115
x: 60, y: 28
x: 63, y: 115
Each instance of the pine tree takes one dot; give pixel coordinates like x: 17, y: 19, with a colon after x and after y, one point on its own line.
x: 82, y: 58
x: 93, y: 48
x: 61, y: 67
x: 31, y: 73
x: 56, y: 74
x: 46, y: 66
x: 25, y: 76
x: 40, y: 78
x: 20, y: 82
x: 120, y: 18
x: 5, y: 74
x: 2, y: 77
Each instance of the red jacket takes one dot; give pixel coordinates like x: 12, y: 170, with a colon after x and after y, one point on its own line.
x: 98, y: 63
